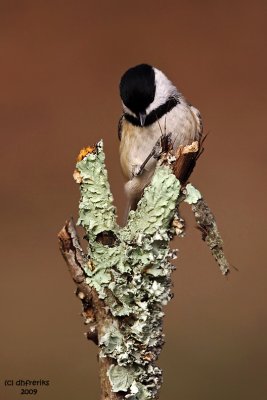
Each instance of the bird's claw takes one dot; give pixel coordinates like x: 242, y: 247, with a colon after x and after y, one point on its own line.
x: 166, y: 142
x: 137, y: 170
x: 162, y: 145
x: 157, y: 150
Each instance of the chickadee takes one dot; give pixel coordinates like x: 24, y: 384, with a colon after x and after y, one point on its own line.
x: 151, y: 106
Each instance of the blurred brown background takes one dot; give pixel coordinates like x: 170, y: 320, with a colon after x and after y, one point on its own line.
x: 61, y: 62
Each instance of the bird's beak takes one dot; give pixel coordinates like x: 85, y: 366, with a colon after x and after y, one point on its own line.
x: 142, y: 117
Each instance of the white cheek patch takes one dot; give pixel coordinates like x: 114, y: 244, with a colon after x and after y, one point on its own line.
x: 164, y: 89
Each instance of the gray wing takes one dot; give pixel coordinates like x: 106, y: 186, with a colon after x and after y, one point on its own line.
x: 120, y: 126
x: 199, y: 120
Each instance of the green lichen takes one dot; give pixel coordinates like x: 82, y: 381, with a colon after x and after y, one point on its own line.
x: 158, y: 204
x: 132, y: 272
x: 112, y: 339
x: 97, y: 213
x: 133, y: 275
x: 121, y: 378
x: 192, y: 194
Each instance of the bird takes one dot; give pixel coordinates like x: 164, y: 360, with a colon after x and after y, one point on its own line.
x: 152, y: 106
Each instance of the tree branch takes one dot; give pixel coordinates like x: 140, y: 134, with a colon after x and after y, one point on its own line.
x: 124, y: 280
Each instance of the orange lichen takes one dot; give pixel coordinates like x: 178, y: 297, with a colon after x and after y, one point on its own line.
x: 84, y: 151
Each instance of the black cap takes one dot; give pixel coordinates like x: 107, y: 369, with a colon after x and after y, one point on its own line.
x: 137, y: 87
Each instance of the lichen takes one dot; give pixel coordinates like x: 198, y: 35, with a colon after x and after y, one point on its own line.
x: 131, y: 272
x: 133, y: 275
x: 192, y: 194
x: 96, y: 211
x: 210, y: 233
x: 158, y: 204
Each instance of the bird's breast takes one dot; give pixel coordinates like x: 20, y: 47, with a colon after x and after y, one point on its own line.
x: 138, y: 142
